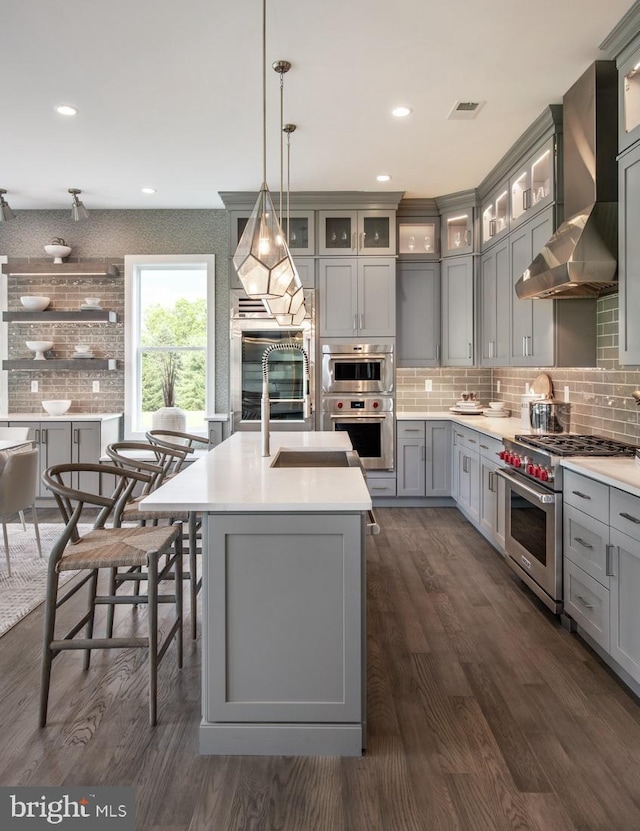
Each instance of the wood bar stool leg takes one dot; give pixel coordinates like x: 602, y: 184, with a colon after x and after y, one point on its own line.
x: 93, y: 586
x: 152, y: 604
x: 47, y: 654
x: 111, y: 609
x: 179, y: 601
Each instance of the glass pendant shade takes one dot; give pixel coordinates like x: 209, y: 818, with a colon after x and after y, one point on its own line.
x: 262, y: 259
x: 292, y: 319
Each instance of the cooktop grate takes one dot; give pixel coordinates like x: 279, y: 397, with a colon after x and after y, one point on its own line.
x: 562, y: 444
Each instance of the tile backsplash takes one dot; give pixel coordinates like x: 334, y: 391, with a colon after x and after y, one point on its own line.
x: 600, y: 397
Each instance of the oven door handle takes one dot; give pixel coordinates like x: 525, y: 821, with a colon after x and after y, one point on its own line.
x: 360, y: 417
x: 545, y: 498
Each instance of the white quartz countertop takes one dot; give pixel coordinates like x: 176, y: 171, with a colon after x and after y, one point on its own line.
x: 234, y: 476
x: 623, y: 473
x: 66, y: 417
x: 499, y: 428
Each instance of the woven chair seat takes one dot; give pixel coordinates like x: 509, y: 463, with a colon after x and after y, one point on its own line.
x: 133, y: 513
x: 114, y: 547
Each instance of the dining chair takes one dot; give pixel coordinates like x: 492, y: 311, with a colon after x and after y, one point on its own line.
x: 177, y: 438
x: 135, y: 456
x: 138, y: 549
x: 17, y: 434
x: 19, y: 473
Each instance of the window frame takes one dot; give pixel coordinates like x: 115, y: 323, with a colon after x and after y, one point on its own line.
x: 133, y: 264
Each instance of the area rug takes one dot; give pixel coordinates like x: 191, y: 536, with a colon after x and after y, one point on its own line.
x: 25, y: 589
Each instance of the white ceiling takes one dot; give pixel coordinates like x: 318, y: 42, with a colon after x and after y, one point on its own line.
x: 169, y: 93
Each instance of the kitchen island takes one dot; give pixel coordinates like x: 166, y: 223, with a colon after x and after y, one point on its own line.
x: 283, y: 643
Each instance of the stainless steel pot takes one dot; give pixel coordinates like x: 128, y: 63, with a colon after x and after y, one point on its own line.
x: 550, y: 416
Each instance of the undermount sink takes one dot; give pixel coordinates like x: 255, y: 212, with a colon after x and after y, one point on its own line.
x: 296, y: 457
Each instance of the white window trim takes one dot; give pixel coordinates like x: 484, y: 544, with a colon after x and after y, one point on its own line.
x: 4, y: 343
x: 131, y: 336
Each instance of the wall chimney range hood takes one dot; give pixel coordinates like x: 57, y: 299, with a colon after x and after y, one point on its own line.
x: 580, y: 259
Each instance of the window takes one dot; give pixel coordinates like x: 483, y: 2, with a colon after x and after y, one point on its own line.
x: 169, y: 337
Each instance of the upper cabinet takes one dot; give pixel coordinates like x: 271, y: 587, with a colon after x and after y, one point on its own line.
x: 532, y: 187
x: 301, y: 235
x: 494, y: 215
x: 629, y: 98
x: 457, y: 233
x: 369, y: 232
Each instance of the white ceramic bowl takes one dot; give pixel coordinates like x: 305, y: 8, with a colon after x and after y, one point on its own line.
x: 83, y: 347
x: 39, y: 347
x: 35, y: 304
x: 57, y: 407
x: 92, y: 301
x: 57, y: 252
x: 496, y: 405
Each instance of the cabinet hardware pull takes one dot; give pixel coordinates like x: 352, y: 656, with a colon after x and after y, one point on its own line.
x: 471, y: 441
x: 582, y: 542
x: 378, y: 487
x: 438, y: 352
x: 630, y: 518
x: 37, y: 437
x: 468, y: 350
x: 355, y: 322
x: 484, y: 446
x: 467, y: 237
x: 412, y: 430
x: 465, y: 468
x: 529, y: 346
x: 492, y: 227
x: 354, y: 241
x: 492, y: 479
x: 45, y: 435
x: 583, y: 601
x: 524, y: 346
x: 76, y: 436
x: 361, y: 321
x: 582, y: 495
x: 608, y: 570
x: 526, y: 199
x: 423, y: 452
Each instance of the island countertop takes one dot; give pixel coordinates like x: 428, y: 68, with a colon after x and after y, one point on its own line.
x: 234, y: 476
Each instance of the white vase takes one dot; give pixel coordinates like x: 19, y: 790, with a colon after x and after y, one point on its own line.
x: 169, y: 418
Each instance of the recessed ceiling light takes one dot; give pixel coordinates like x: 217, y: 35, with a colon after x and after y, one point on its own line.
x: 66, y: 109
x: 401, y: 112
x: 148, y: 190
x: 383, y: 177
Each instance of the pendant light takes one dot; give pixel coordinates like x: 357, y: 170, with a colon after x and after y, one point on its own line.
x: 262, y: 259
x: 78, y: 210
x: 288, y: 310
x: 5, y: 211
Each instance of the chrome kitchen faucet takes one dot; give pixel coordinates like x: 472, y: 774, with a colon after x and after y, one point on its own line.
x: 265, y: 409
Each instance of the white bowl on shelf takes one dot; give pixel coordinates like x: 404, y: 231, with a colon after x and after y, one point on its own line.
x: 92, y: 301
x: 82, y: 347
x: 57, y: 252
x: 32, y: 303
x: 57, y: 406
x: 39, y: 347
x: 496, y: 405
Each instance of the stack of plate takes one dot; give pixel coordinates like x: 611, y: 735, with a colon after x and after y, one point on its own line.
x: 86, y: 307
x: 87, y: 354
x: 467, y: 408
x: 501, y: 413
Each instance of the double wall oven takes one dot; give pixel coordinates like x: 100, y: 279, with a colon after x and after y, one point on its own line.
x: 253, y: 329
x: 357, y: 382
x: 533, y: 494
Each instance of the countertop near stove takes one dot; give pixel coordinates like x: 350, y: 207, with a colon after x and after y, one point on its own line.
x: 622, y: 473
x: 499, y: 428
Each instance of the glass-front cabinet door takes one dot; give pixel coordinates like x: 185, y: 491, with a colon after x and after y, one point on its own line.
x: 495, y: 216
x: 418, y: 238
x: 301, y: 237
x: 457, y: 233
x: 357, y: 232
x: 532, y: 186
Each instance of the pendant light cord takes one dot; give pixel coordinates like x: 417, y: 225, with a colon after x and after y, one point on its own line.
x: 264, y: 93
x: 282, y: 147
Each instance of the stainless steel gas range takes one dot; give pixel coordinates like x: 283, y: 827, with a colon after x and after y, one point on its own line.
x: 533, y: 510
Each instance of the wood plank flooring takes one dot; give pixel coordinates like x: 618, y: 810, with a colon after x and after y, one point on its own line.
x: 484, y: 714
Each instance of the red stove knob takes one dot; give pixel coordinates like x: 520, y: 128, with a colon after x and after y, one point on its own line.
x: 530, y: 469
x: 544, y: 474
x: 376, y: 404
x: 502, y: 455
x: 339, y: 405
x: 517, y: 461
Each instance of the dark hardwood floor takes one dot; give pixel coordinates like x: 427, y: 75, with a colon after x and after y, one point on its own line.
x: 484, y: 714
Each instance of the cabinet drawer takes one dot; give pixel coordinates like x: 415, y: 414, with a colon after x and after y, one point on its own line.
x: 587, y: 495
x: 625, y: 513
x: 490, y: 447
x: 382, y: 486
x: 463, y: 437
x: 410, y: 429
x: 587, y: 602
x: 585, y: 543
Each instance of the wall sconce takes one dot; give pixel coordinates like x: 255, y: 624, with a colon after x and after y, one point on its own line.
x: 78, y: 210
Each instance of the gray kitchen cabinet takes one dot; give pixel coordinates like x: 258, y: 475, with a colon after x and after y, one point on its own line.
x: 363, y: 232
x: 491, y: 513
x: 495, y: 305
x: 533, y: 187
x: 466, y: 472
x: 86, y: 449
x: 457, y: 232
x: 357, y: 297
x: 423, y: 458
x: 418, y: 314
x: 532, y: 334
x: 624, y: 633
x: 494, y: 216
x: 418, y: 236
x: 629, y: 256
x: 53, y: 440
x: 629, y: 95
x: 457, y: 311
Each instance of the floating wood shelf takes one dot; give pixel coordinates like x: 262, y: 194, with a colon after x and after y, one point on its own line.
x: 76, y: 364
x: 48, y: 269
x: 54, y: 316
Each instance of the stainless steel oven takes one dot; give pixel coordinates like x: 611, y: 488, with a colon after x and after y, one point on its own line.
x: 369, y: 422
x: 357, y: 367
x: 253, y: 329
x: 533, y: 536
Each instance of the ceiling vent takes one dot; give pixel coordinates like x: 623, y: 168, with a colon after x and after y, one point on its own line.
x: 465, y: 109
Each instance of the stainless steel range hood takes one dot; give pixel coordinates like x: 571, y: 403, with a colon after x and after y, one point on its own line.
x: 580, y: 259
